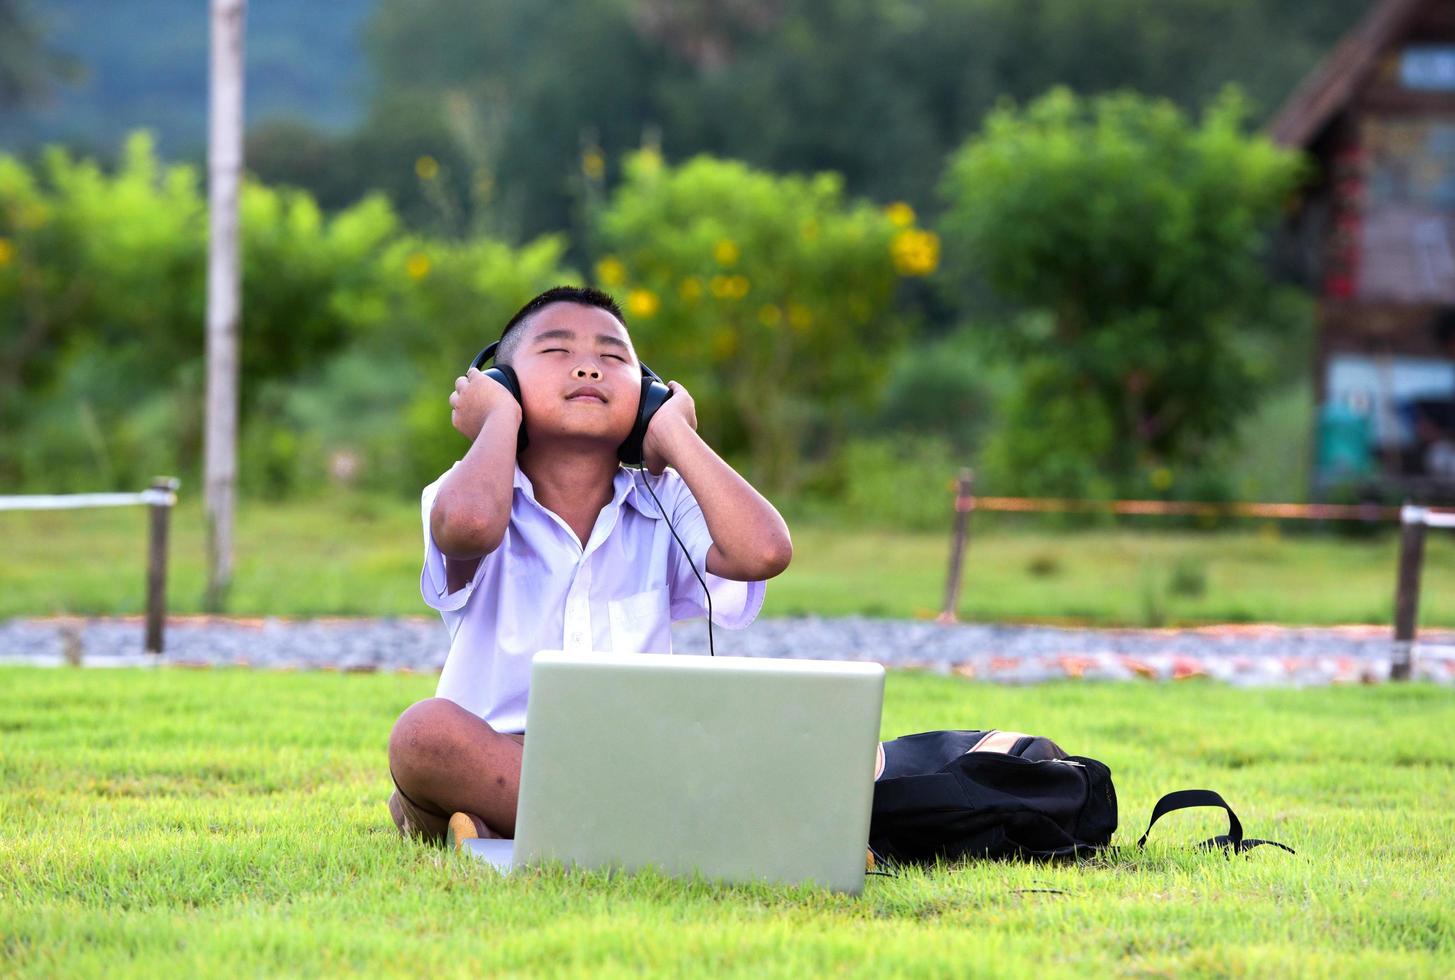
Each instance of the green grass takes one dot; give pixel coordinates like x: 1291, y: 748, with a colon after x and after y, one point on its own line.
x: 169, y: 821
x: 361, y: 557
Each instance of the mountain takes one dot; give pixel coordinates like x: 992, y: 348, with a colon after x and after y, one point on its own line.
x: 144, y: 65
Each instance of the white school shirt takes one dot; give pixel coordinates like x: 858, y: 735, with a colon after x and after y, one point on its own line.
x: 541, y: 590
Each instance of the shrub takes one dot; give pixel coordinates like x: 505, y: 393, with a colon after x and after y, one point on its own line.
x: 1132, y: 239
x: 350, y: 329
x: 770, y: 297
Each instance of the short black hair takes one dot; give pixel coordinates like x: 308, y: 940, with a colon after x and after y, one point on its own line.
x: 580, y: 295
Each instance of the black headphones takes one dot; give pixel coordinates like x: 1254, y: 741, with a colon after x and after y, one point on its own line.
x: 654, y: 394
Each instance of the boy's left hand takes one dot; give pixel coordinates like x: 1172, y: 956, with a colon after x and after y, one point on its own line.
x: 676, y: 418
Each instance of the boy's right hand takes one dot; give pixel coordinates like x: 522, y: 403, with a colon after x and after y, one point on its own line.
x: 476, y: 397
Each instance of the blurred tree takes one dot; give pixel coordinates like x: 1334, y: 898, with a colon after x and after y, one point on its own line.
x: 513, y: 89
x: 876, y: 90
x: 769, y: 297
x: 503, y: 93
x: 1133, y: 239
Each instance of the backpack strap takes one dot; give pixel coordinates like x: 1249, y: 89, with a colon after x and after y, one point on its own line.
x: 1233, y: 840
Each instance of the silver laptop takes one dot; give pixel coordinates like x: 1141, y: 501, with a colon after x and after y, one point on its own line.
x: 740, y: 769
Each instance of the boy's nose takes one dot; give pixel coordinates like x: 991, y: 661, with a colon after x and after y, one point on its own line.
x: 593, y: 373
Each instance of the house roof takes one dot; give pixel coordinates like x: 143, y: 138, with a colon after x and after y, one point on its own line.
x: 1330, y: 86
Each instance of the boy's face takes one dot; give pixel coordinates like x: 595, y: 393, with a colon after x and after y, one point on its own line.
x: 579, y: 375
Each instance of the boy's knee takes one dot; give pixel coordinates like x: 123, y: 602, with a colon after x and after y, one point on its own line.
x: 426, y: 729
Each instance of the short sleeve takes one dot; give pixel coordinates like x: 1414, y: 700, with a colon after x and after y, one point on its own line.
x: 734, y: 604
x: 433, y: 581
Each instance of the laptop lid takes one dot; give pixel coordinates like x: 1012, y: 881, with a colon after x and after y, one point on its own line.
x: 742, y: 769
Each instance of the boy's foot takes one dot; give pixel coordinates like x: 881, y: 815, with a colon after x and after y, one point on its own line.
x: 414, y: 822
x: 463, y: 827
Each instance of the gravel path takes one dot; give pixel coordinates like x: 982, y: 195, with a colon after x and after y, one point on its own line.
x: 1250, y: 655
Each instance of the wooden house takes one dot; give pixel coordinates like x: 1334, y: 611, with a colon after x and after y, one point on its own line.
x: 1374, y: 235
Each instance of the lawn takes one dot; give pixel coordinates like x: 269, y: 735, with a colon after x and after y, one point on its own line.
x: 361, y: 556
x: 167, y: 822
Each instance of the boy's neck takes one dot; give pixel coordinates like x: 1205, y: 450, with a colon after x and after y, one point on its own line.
x: 572, y: 483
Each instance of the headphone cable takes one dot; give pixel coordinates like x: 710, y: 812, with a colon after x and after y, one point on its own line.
x: 705, y: 591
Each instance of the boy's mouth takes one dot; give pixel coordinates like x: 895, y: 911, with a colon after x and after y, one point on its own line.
x: 587, y: 393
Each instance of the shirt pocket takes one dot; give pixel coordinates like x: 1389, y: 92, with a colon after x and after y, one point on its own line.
x: 639, y: 623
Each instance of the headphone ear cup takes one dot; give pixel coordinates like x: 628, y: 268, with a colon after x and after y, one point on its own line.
x: 654, y: 396
x: 504, y: 374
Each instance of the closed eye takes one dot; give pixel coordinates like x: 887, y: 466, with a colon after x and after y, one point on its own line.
x: 562, y: 350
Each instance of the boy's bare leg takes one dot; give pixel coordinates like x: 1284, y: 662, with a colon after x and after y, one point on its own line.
x: 447, y: 759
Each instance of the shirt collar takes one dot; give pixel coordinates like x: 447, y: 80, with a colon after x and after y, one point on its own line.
x: 626, y: 487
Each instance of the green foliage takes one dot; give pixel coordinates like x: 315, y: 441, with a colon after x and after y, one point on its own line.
x: 430, y: 306
x: 1133, y: 239
x: 901, y: 481
x: 350, y: 327
x: 945, y: 388
x: 1055, y: 438
x: 770, y: 297
x: 98, y: 274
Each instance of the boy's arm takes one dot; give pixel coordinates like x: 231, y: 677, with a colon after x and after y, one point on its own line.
x: 750, y: 540
x: 472, y: 509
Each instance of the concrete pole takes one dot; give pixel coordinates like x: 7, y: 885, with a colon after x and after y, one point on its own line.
x: 224, y: 303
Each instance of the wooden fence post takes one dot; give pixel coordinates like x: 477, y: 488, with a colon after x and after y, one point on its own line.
x: 161, y: 515
x: 1407, y: 591
x: 964, y: 504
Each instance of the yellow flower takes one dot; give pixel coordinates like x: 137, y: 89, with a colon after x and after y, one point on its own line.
x: 915, y: 253
x: 800, y: 317
x: 32, y: 216
x: 1161, y: 478
x: 649, y: 158
x: 769, y: 315
x: 729, y: 287
x: 642, y: 303
x: 7, y: 252
x: 427, y: 167
x: 417, y: 265
x: 593, y: 164
x: 610, y: 271
x: 724, y: 342
x: 726, y: 252
x: 900, y: 214
x: 690, y: 289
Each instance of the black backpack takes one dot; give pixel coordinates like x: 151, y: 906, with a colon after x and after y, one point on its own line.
x: 993, y: 794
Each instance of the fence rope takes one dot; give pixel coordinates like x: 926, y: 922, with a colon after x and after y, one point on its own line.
x: 77, y: 501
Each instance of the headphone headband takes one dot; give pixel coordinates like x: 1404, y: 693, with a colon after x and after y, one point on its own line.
x: 485, y: 355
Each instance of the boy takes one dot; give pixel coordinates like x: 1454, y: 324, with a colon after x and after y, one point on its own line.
x: 558, y: 546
